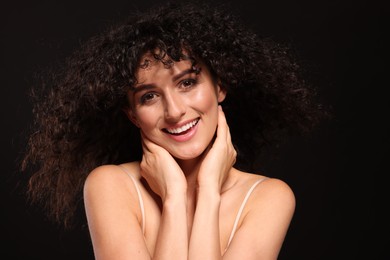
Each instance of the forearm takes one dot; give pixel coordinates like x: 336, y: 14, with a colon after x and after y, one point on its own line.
x: 205, y: 240
x: 172, y: 240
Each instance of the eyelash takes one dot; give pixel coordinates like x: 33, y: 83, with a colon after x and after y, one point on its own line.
x: 190, y: 81
x: 147, y: 97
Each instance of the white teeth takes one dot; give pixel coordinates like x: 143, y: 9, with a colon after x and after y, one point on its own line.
x: 183, y: 128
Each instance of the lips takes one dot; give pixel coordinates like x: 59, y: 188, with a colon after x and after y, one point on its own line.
x: 182, y: 129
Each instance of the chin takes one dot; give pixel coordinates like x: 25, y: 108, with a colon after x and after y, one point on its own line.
x: 188, y: 154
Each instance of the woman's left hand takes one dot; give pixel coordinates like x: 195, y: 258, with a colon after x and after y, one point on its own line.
x: 219, y: 157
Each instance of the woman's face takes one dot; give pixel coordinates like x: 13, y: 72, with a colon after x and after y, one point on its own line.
x: 176, y: 106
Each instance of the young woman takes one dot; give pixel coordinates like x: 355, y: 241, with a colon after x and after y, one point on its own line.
x: 156, y: 122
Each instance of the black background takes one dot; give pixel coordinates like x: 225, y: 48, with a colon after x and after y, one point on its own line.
x: 338, y: 173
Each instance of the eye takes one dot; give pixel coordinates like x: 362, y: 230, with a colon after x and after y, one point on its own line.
x: 148, y: 97
x: 188, y: 83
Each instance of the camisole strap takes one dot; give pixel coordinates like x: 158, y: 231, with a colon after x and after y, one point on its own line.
x: 241, y: 210
x: 141, y: 202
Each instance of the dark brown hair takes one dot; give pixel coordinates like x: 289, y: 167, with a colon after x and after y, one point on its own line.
x: 78, y: 118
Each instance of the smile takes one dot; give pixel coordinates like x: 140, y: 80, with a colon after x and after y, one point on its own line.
x: 183, y: 129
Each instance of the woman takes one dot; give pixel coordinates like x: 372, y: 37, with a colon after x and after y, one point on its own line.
x: 136, y: 124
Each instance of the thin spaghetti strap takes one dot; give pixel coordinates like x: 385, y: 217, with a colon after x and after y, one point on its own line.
x: 241, y: 210
x: 141, y: 202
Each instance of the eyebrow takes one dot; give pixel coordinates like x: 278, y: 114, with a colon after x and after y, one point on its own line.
x: 142, y: 87
x: 184, y: 72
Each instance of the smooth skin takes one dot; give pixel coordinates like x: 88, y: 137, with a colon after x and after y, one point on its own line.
x: 190, y: 189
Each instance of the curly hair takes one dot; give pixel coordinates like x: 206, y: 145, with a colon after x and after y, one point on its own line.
x: 79, y: 122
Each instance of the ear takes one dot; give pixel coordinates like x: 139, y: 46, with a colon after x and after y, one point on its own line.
x: 221, y: 93
x: 130, y: 115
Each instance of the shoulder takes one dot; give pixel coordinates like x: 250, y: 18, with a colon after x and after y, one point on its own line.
x: 267, y: 211
x: 109, y: 191
x: 268, y: 192
x: 277, y: 194
x: 274, y: 188
x: 266, y: 218
x: 111, y: 179
x: 271, y: 203
x: 112, y: 173
x: 112, y: 208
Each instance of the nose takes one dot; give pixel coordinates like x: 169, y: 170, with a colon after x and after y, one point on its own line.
x: 174, y: 106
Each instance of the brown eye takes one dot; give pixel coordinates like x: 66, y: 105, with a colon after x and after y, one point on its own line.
x: 188, y: 83
x: 148, y: 97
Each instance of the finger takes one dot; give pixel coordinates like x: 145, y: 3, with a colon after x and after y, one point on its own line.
x: 151, y: 146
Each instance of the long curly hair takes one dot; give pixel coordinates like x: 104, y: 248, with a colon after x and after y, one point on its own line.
x: 79, y: 122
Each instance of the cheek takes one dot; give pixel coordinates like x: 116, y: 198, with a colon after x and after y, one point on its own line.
x: 206, y: 103
x: 205, y: 99
x: 146, y: 119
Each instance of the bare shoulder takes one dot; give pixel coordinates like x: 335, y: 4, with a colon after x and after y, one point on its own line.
x: 112, y: 210
x: 106, y: 174
x: 266, y: 218
x: 269, y: 191
x: 272, y: 204
x: 109, y: 193
x: 102, y: 176
x: 275, y: 189
x: 110, y: 179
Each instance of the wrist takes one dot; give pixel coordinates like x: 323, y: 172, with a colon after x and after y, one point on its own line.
x: 209, y: 187
x: 174, y: 197
x: 210, y: 192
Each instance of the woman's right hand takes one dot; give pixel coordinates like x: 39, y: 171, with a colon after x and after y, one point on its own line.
x: 161, y: 171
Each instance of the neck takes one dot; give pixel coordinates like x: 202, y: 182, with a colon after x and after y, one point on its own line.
x: 190, y: 169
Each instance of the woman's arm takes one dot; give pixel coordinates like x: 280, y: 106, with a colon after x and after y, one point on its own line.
x: 264, y: 224
x: 261, y: 230
x: 205, y: 240
x: 165, y: 178
x: 265, y: 219
x: 115, y: 220
x: 172, y: 240
x: 213, y: 171
x: 113, y: 214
